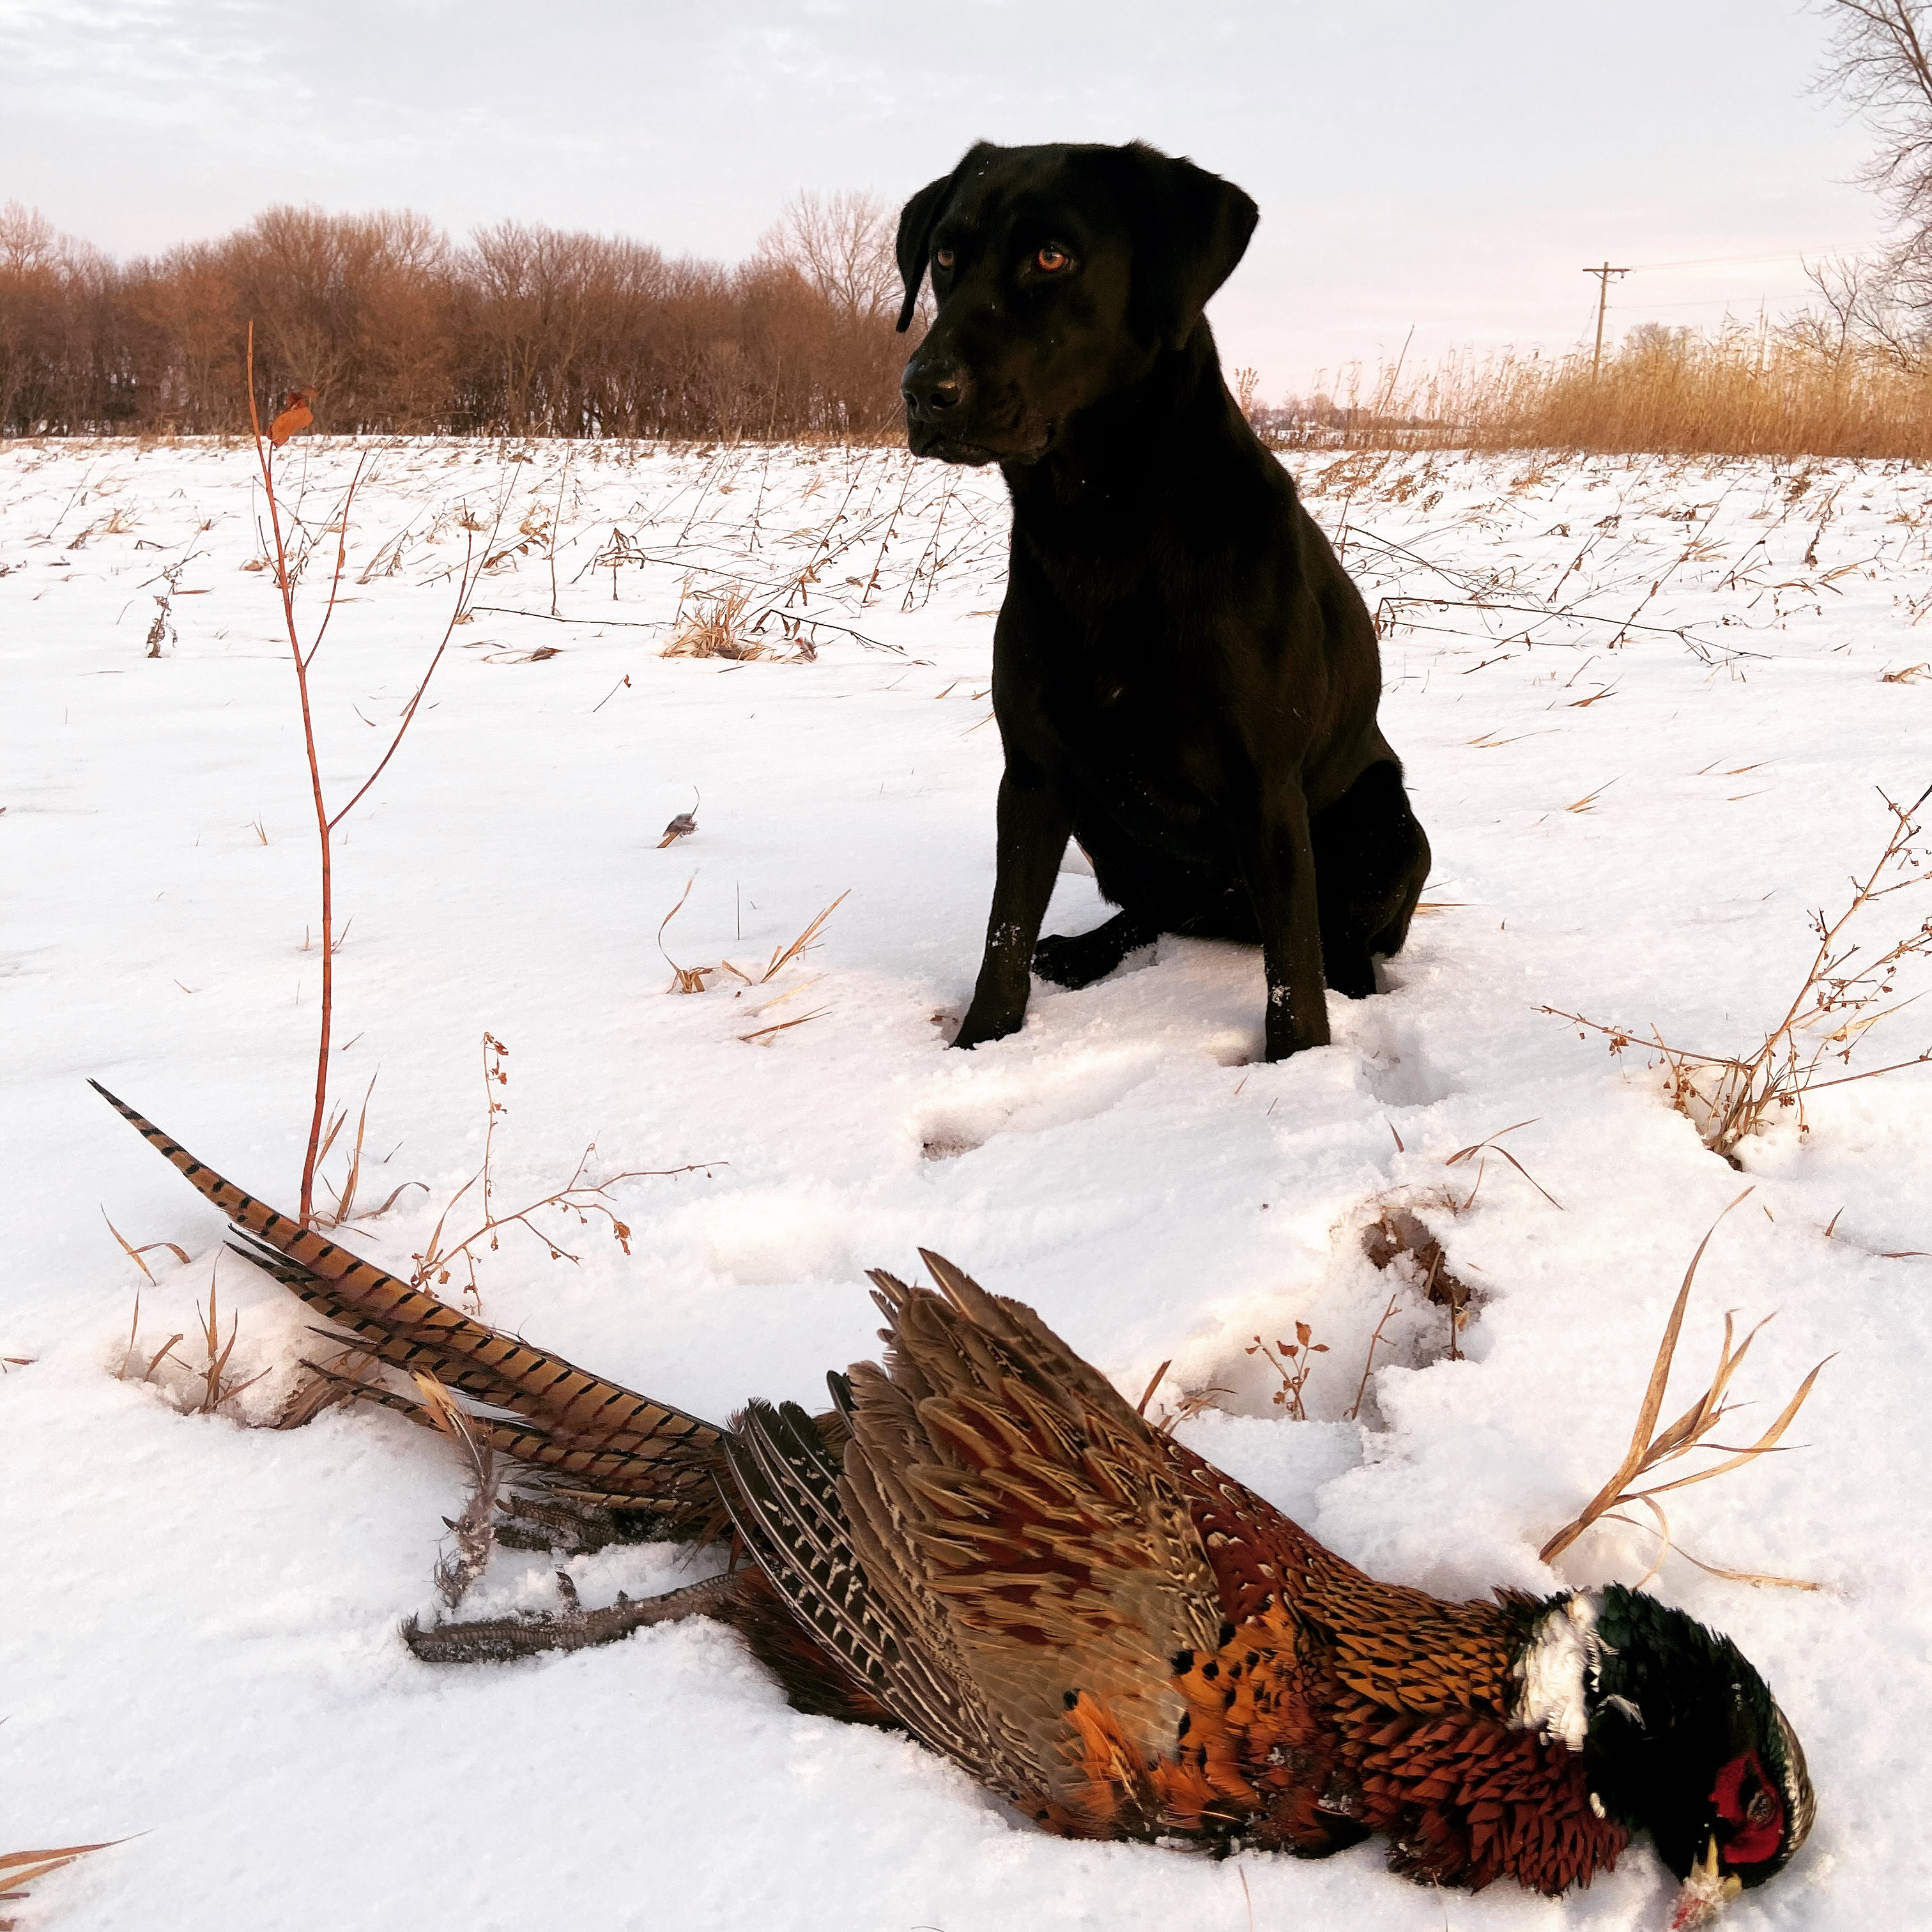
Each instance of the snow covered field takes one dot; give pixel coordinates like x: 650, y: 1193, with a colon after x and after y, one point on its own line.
x: 1641, y: 765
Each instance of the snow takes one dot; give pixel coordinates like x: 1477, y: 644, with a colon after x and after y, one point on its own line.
x: 197, y: 1618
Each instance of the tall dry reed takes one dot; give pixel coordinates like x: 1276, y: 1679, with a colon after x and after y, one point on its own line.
x: 1743, y: 392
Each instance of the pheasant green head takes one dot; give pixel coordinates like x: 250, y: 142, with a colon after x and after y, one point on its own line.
x: 1681, y: 1736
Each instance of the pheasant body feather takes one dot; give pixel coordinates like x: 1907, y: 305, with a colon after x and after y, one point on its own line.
x: 983, y: 1543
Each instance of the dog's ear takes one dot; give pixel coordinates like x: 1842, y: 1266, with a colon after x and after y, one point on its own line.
x: 917, y: 220
x: 1190, y: 229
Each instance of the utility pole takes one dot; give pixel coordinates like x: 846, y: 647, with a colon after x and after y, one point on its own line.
x: 1603, y: 276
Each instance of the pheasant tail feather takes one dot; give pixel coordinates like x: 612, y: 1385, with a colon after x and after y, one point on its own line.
x: 591, y: 1437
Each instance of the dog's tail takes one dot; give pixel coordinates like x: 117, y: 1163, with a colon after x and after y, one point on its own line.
x: 591, y: 1440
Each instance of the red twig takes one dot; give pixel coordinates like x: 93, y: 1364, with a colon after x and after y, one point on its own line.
x: 467, y: 584
x: 325, y: 824
x: 265, y: 457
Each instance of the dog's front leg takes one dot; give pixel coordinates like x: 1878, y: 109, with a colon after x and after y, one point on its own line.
x: 1277, y: 862
x: 1034, y: 829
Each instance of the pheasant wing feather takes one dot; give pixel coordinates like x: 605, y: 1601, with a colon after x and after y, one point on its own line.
x: 784, y: 1501
x: 999, y: 1489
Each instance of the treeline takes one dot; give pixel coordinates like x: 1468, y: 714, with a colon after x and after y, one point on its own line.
x: 525, y: 331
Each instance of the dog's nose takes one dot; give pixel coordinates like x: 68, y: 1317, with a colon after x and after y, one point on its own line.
x: 931, y: 391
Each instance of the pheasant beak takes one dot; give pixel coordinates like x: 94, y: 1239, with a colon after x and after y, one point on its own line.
x: 1707, y: 1890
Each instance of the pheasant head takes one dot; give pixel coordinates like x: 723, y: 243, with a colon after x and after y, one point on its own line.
x: 1680, y: 1736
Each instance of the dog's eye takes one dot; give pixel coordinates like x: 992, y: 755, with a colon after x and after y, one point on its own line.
x: 1052, y: 260
x: 942, y: 258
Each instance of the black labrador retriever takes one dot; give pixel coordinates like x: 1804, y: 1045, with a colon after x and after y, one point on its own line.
x: 1186, y: 680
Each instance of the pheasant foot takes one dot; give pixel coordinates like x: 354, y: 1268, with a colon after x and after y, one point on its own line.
x: 499, y: 1640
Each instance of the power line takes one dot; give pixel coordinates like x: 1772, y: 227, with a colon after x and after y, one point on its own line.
x: 1717, y: 261
x: 1740, y: 300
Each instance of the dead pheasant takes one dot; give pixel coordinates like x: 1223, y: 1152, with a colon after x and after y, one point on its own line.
x: 983, y: 1543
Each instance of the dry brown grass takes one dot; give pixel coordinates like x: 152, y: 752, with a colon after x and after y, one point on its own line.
x: 19, y: 1869
x: 783, y: 956
x: 1479, y: 1151
x: 1739, y: 393
x: 216, y: 1387
x: 202, y: 1390
x: 713, y: 624
x: 344, y: 1209
x: 1650, y: 1448
x: 134, y: 1254
x: 684, y: 978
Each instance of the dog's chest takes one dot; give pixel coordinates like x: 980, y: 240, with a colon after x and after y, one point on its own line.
x: 1130, y: 740
x: 1114, y: 707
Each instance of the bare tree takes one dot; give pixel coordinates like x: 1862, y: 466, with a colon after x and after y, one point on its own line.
x: 1867, y: 306
x: 1880, y: 65
x: 843, y: 245
x: 30, y: 295
x: 26, y: 239
x: 529, y: 329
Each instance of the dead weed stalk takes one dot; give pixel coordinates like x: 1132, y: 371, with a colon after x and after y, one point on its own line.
x: 583, y: 1197
x: 1650, y: 1448
x: 1291, y: 1361
x: 294, y: 417
x: 1840, y: 998
x: 1368, y: 1360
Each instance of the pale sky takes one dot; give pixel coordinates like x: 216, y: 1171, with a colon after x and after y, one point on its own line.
x: 1451, y: 167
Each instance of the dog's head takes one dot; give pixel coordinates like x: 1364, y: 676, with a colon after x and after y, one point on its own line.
x: 1061, y: 273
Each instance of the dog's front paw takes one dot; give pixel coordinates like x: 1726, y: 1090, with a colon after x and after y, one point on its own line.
x: 1079, y: 960
x: 978, y: 1027
x: 1066, y: 962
